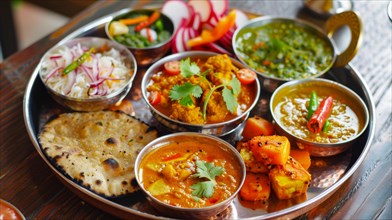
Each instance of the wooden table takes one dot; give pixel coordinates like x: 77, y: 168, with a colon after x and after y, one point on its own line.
x: 27, y: 182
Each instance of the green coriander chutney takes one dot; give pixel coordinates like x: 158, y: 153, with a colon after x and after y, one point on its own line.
x: 284, y: 50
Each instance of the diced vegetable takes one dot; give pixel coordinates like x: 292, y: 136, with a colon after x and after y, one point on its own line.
x: 251, y: 164
x: 132, y: 21
x: 118, y: 28
x: 209, y: 36
x: 289, y: 180
x: 271, y: 149
x: 246, y: 76
x: 169, y: 172
x: 154, y: 98
x: 302, y: 157
x: 256, y: 126
x: 256, y: 187
x: 153, y: 17
x: 316, y: 122
x: 159, y: 187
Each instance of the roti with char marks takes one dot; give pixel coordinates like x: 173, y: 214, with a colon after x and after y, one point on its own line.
x: 97, y: 149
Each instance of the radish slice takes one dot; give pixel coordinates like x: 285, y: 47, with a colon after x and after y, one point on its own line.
x: 176, y: 10
x: 219, y: 7
x: 178, y: 44
x: 196, y: 21
x: 203, y: 7
x: 216, y: 48
x: 240, y: 18
x: 185, y: 38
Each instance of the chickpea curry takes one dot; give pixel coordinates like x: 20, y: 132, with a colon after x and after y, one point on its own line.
x: 190, y: 173
x: 199, y: 91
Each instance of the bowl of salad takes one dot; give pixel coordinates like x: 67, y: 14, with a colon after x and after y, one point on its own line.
x: 88, y: 74
x: 146, y: 33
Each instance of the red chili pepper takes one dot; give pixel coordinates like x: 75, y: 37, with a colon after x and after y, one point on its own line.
x: 316, y: 122
x: 154, y: 16
x: 171, y: 157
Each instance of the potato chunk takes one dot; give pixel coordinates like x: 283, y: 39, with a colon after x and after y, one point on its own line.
x: 273, y: 150
x: 251, y: 164
x: 289, y: 180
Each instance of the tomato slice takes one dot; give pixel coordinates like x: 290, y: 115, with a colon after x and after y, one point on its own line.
x: 154, y: 98
x: 172, y: 68
x: 246, y: 76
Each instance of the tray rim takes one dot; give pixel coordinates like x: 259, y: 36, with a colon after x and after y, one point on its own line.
x: 290, y: 212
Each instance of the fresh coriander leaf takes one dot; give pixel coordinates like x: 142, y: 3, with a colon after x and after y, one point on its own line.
x: 216, y: 171
x: 184, y: 93
x: 230, y: 99
x: 203, y: 189
x: 186, y: 101
x: 235, y: 86
x: 209, y: 171
x: 189, y: 69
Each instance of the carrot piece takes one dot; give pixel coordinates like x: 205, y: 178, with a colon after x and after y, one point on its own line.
x: 316, y: 122
x: 209, y: 36
x: 256, y: 126
x: 302, y: 157
x: 171, y: 157
x: 136, y: 20
x: 256, y: 187
x: 270, y: 149
x: 154, y: 16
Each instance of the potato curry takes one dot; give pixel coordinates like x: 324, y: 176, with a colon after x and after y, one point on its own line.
x: 190, y: 174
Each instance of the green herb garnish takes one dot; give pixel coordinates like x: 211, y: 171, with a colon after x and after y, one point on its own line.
x: 205, y: 170
x: 183, y: 93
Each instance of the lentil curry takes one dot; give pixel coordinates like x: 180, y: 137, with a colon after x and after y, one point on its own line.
x: 291, y: 109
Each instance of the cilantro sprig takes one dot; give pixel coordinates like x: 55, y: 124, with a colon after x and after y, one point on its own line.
x: 205, y: 170
x: 184, y: 93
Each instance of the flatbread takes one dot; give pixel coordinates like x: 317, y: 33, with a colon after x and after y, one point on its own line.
x: 97, y: 149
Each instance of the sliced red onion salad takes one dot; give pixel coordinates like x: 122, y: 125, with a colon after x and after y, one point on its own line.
x: 99, y: 75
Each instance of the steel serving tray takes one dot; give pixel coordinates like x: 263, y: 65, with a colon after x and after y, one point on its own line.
x: 328, y: 174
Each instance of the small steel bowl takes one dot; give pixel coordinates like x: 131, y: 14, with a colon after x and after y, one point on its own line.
x: 95, y: 103
x: 337, y: 91
x: 217, y: 129
x: 148, y: 55
x: 8, y: 209
x: 181, y: 212
x: 350, y: 18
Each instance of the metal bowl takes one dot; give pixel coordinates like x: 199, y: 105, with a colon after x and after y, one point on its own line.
x: 351, y: 99
x: 349, y: 18
x: 190, y: 213
x: 147, y: 55
x: 94, y: 103
x: 218, y: 129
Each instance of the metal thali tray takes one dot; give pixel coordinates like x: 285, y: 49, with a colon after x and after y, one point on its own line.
x: 328, y: 174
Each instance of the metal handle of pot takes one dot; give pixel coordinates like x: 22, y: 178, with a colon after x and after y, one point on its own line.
x: 353, y: 21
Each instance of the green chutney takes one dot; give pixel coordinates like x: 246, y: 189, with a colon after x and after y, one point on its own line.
x: 284, y: 50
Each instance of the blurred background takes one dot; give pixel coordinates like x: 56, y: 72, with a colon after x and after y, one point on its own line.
x: 23, y: 22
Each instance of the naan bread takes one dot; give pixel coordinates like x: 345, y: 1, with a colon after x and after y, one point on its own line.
x: 97, y: 149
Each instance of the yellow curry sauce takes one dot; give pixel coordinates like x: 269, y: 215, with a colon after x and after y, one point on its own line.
x: 221, y: 71
x: 292, y: 112
x: 166, y: 173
